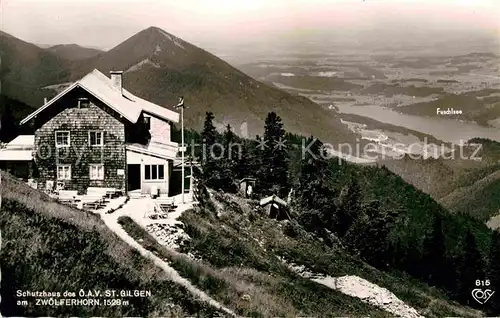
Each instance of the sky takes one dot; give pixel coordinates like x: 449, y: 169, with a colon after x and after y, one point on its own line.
x: 104, y: 24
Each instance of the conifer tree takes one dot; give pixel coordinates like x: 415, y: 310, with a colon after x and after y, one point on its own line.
x: 312, y: 191
x: 209, y: 133
x: 369, y: 234
x: 349, y: 206
x: 434, y: 255
x: 493, y: 274
x: 245, y: 163
x: 228, y: 165
x: 273, y: 172
x: 209, y: 166
x: 470, y: 267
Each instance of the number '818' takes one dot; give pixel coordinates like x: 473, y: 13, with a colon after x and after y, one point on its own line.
x: 483, y: 282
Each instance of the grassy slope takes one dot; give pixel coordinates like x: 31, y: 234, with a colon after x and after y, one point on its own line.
x: 51, y: 247
x: 243, y: 247
x: 238, y: 270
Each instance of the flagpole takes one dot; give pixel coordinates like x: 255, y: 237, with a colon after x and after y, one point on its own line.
x: 181, y: 106
x: 182, y: 141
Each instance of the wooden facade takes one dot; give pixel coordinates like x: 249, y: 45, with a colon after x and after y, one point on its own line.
x: 95, y: 134
x: 80, y: 119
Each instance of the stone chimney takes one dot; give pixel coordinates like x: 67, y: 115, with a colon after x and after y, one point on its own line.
x: 116, y: 79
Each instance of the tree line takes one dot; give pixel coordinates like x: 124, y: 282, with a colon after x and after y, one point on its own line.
x: 374, y: 214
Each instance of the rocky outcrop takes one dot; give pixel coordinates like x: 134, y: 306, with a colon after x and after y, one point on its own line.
x: 166, y: 234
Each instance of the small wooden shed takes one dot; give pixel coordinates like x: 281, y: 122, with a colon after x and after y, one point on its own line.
x: 275, y: 207
x: 247, y: 185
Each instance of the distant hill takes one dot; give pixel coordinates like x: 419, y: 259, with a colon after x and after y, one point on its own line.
x: 481, y: 106
x: 461, y: 185
x: 73, y: 52
x: 19, y: 109
x: 159, y: 67
x: 26, y: 68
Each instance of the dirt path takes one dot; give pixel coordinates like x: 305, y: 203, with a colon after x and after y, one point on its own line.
x: 111, y: 221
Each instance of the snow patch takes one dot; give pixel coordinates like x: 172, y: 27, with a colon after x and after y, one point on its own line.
x: 358, y: 287
x: 58, y: 87
x: 369, y: 293
x: 326, y: 74
x: 287, y: 74
x: 179, y: 44
x: 157, y: 49
x: 141, y: 64
x: 166, y: 35
x: 173, y: 39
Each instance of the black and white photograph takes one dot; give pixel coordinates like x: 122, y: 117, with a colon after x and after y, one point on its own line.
x: 250, y: 158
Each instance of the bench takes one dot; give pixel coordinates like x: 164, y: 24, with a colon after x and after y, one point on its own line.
x: 108, y: 192
x: 67, y: 195
x: 165, y: 208
x: 92, y: 200
x: 166, y: 201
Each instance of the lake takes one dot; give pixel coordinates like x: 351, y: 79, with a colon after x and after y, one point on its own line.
x: 445, y: 129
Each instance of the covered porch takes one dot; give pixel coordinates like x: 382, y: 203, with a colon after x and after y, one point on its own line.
x: 148, y: 172
x: 149, y: 167
x: 16, y: 157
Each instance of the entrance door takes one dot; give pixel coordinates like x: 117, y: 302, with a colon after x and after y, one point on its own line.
x: 134, y: 177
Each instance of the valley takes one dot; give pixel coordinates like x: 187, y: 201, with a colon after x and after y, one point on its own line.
x: 391, y: 99
x: 404, y: 82
x: 366, y: 180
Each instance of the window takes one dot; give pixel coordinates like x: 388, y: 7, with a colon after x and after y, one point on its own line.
x: 62, y: 138
x: 83, y: 102
x: 147, y: 122
x: 161, y: 172
x: 63, y: 172
x: 96, y: 172
x: 96, y: 138
x: 154, y: 172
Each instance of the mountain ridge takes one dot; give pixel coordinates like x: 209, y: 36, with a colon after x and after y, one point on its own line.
x: 73, y: 52
x: 160, y: 67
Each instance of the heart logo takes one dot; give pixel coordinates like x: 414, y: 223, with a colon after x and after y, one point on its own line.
x: 482, y: 296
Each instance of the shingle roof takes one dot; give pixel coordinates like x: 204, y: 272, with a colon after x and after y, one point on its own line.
x: 166, y: 151
x: 124, y: 102
x: 22, y: 142
x: 272, y: 198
